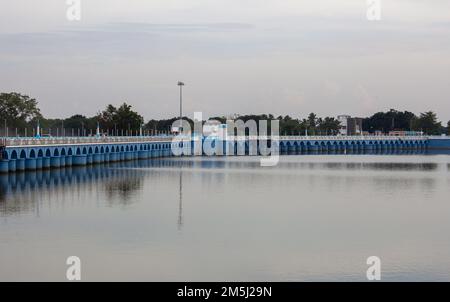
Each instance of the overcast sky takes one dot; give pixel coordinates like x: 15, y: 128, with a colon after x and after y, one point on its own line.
x: 235, y: 56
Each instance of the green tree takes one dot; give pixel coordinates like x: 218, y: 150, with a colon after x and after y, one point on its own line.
x: 328, y: 125
x: 389, y: 121
x: 428, y: 123
x: 166, y: 124
x: 17, y: 109
x: 122, y: 118
x: 108, y: 117
x: 312, y: 120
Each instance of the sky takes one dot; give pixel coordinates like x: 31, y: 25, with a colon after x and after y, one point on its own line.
x: 235, y: 56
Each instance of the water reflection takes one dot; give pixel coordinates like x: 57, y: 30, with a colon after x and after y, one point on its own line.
x: 285, y: 163
x: 180, y: 202
x: 227, y: 218
x: 23, y: 192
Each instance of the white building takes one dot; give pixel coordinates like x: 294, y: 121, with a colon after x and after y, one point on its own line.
x: 350, y: 125
x: 343, y: 119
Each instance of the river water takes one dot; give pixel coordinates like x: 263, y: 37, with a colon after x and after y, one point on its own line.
x: 310, y: 218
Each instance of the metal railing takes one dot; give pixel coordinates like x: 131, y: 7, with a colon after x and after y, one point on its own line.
x: 328, y: 138
x: 8, y: 142
x: 354, y: 138
x: 30, y: 141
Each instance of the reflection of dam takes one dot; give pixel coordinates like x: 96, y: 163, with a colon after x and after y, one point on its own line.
x: 20, y: 155
x: 32, y: 191
x: 22, y: 191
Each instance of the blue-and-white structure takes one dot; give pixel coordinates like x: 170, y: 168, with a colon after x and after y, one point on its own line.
x: 21, y: 154
x: 37, y: 153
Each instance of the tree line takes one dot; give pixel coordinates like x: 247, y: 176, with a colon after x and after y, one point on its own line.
x: 19, y: 112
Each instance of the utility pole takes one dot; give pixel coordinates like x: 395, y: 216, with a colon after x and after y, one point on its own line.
x: 181, y: 84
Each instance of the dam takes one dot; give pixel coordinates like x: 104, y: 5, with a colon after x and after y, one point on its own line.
x: 21, y: 154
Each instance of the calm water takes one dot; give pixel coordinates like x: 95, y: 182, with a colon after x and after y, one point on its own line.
x: 205, y: 219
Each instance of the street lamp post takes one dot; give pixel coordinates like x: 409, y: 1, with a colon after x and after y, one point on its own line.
x: 181, y: 84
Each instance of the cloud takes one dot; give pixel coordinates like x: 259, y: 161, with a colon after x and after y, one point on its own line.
x: 276, y: 54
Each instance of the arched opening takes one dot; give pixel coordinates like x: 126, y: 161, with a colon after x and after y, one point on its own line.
x: 14, y: 154
x: 23, y: 154
x: 56, y: 152
x: 32, y: 153
x: 63, y: 152
x: 40, y: 153
x: 84, y: 150
x: 70, y: 153
x: 48, y: 153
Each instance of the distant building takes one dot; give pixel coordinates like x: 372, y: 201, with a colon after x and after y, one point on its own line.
x: 405, y: 133
x: 350, y: 125
x: 343, y: 120
x: 379, y: 133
